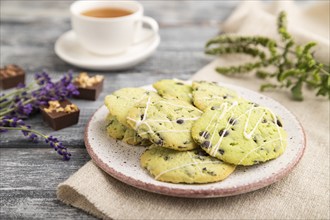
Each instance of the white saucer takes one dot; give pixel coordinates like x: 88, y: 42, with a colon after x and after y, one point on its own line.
x: 68, y: 49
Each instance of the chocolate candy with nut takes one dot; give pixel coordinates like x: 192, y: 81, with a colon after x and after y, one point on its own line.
x: 89, y: 87
x: 10, y: 76
x: 60, y: 114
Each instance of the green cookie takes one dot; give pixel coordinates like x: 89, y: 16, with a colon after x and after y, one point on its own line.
x: 170, y: 88
x: 240, y: 134
x: 132, y: 138
x: 206, y: 94
x: 114, y: 128
x: 164, y: 122
x: 119, y: 131
x: 122, y: 100
x: 184, y: 166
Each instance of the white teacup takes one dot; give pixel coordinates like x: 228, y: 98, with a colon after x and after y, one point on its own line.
x: 106, y: 36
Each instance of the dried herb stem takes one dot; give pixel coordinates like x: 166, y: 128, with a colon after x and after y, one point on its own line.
x: 295, y: 65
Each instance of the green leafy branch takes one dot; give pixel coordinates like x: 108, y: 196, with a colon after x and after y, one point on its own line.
x: 295, y: 65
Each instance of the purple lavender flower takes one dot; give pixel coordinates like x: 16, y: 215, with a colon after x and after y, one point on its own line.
x: 20, y: 86
x: 33, y: 137
x: 59, y: 90
x: 2, y: 99
x: 58, y: 147
x: 72, y: 89
x: 25, y: 133
x: 14, y: 123
x: 66, y: 79
x: 42, y: 78
x: 4, y: 122
x: 22, y: 109
x: 25, y: 109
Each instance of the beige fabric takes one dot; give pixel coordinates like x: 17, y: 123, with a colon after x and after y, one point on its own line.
x: 303, y: 194
x: 306, y: 22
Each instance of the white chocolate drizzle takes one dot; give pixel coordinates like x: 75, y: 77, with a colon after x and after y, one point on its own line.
x: 137, y: 125
x: 249, y: 135
x: 185, y: 165
x: 181, y: 106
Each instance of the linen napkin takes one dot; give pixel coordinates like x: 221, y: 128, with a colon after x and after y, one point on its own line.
x: 306, y: 22
x: 303, y: 194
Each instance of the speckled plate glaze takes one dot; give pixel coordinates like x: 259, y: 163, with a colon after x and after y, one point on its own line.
x: 122, y: 161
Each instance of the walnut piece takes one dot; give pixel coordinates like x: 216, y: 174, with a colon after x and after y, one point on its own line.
x: 56, y: 106
x: 84, y: 81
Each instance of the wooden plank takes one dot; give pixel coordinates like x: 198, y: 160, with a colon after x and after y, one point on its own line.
x: 29, y: 178
x: 37, y: 168
x: 36, y: 204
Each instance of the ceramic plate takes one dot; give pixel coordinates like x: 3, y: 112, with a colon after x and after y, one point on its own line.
x: 68, y: 49
x: 122, y: 161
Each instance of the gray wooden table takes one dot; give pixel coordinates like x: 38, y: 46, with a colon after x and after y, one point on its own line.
x: 29, y: 173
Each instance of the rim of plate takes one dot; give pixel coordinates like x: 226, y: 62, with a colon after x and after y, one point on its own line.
x: 198, y: 193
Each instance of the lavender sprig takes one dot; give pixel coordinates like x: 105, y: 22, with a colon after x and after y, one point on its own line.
x: 14, y: 123
x: 26, y: 100
x: 58, y: 147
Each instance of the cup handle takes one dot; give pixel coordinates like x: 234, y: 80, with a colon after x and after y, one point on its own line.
x: 152, y: 23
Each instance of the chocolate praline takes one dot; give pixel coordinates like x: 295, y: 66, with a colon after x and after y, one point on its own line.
x: 60, y: 120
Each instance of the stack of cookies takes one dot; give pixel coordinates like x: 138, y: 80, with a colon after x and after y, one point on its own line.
x: 195, y: 133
